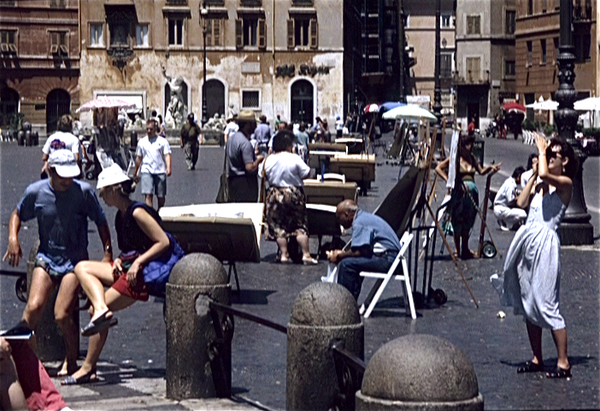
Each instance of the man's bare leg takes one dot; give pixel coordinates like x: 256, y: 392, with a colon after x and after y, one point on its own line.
x: 149, y: 199
x: 63, y: 312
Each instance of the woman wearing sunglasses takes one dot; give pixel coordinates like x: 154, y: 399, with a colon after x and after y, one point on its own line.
x: 532, y: 267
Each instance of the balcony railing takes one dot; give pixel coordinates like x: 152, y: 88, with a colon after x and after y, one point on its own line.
x: 177, y: 2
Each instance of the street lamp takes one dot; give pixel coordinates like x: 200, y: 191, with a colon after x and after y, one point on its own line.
x: 575, y: 228
x: 437, y: 92
x: 204, y: 15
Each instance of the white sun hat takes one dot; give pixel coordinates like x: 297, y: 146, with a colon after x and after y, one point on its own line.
x: 111, y: 175
x: 64, y: 163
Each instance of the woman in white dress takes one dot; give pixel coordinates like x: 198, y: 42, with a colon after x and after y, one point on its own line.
x: 532, y: 267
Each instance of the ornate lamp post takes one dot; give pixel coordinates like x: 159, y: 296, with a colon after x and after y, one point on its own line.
x: 204, y: 15
x: 575, y: 228
x: 437, y: 92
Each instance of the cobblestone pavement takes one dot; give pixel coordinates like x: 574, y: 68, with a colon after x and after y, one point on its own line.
x: 132, y: 365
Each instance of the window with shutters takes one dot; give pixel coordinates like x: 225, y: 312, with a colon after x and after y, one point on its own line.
x: 214, y: 32
x: 58, y: 43
x: 446, y: 63
x: 251, y: 99
x: 529, y: 54
x: 473, y: 69
x: 8, y: 41
x: 510, y: 23
x: 302, y: 32
x: 543, y: 47
x: 250, y: 31
x: 473, y: 24
x: 58, y: 4
x: 176, y: 28
x: 509, y: 68
x: 447, y: 21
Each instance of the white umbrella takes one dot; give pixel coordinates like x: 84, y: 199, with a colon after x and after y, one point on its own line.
x: 588, y: 104
x: 548, y: 105
x: 409, y: 111
x: 104, y: 102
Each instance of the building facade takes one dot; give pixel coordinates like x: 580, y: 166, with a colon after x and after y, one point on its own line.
x: 278, y: 57
x: 537, y: 47
x: 420, y: 40
x: 39, y: 61
x: 485, y: 57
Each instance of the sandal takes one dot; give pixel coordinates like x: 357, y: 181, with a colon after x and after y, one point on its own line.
x: 99, y: 324
x: 530, y: 367
x: 559, y: 373
x: 84, y: 379
x: 310, y: 261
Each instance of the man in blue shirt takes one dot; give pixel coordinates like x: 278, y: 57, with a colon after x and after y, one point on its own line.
x: 262, y: 135
x: 374, y: 246
x: 61, y: 206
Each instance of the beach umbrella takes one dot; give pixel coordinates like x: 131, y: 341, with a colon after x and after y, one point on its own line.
x: 104, y: 102
x: 388, y: 105
x: 409, y: 111
x: 371, y: 108
x: 545, y: 105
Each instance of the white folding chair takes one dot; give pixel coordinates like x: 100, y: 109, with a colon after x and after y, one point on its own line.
x: 384, y: 278
x: 334, y: 176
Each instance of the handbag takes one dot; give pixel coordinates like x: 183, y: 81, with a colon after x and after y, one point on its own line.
x: 157, y: 272
x: 224, y: 196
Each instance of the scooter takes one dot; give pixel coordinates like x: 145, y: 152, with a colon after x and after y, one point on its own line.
x: 492, y: 130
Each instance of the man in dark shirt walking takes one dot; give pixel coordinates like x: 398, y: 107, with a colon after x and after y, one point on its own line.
x: 190, y: 134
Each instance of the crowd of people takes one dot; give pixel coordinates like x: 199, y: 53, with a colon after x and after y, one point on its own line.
x: 531, y: 201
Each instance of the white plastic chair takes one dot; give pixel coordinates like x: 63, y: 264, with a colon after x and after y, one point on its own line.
x: 384, y: 278
x: 334, y: 176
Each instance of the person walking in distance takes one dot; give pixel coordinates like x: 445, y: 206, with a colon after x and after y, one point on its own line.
x: 190, y: 141
x: 62, y: 207
x: 243, y: 161
x: 153, y: 157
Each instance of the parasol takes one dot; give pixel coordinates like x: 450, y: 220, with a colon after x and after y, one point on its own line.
x: 544, y: 105
x: 104, y: 102
x: 409, y: 111
x: 371, y: 108
x: 588, y: 104
x: 517, y: 107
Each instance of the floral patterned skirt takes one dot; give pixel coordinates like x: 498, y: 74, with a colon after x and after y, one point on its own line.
x: 286, y: 212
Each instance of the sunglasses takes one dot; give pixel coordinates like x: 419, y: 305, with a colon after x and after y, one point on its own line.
x: 553, y: 154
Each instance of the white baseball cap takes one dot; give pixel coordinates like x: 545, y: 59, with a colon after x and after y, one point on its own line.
x: 111, y: 175
x: 64, y: 163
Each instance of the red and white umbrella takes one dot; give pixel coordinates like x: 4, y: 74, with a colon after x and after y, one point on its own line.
x: 372, y: 108
x: 104, y: 102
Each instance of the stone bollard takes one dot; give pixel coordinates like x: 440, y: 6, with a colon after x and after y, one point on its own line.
x: 194, y: 367
x: 49, y: 340
x: 419, y: 372
x: 322, y: 312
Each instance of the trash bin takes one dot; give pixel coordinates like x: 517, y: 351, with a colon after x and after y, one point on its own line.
x: 478, y: 150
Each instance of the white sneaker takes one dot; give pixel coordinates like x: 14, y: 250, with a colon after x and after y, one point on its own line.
x: 502, y: 225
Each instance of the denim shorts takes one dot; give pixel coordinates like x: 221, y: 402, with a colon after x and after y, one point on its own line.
x: 54, y: 271
x: 154, y: 184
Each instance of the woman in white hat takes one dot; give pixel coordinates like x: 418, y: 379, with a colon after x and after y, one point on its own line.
x: 143, y: 244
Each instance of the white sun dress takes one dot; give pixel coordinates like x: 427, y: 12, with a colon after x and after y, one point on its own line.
x: 532, y: 267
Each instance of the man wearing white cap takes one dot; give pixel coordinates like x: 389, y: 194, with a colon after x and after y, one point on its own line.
x: 62, y: 206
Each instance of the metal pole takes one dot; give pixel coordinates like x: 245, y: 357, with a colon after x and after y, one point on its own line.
x: 575, y: 228
x: 437, y: 92
x: 204, y: 30
x: 402, y: 51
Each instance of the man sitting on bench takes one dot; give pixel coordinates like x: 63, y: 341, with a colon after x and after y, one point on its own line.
x: 374, y: 246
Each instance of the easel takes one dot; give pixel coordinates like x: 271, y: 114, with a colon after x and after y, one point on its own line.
x: 426, y: 151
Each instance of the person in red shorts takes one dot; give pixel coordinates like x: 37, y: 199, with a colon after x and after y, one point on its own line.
x: 142, y: 241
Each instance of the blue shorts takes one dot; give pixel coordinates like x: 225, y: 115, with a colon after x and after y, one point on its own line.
x: 53, y: 270
x: 154, y: 184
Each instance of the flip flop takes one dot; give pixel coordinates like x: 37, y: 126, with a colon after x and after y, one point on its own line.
x: 559, y: 373
x: 99, y: 324
x: 85, y: 379
x: 530, y: 367
x: 310, y: 261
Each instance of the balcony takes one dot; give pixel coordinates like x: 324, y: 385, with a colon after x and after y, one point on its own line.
x: 471, y: 78
x: 176, y: 2
x: 302, y: 3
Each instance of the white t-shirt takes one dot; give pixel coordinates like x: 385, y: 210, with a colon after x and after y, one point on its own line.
x: 153, y: 154
x: 507, y: 193
x: 284, y: 169
x: 231, y: 128
x: 61, y: 140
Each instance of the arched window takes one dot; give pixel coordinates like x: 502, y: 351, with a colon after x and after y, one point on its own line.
x: 215, y: 98
x: 58, y: 103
